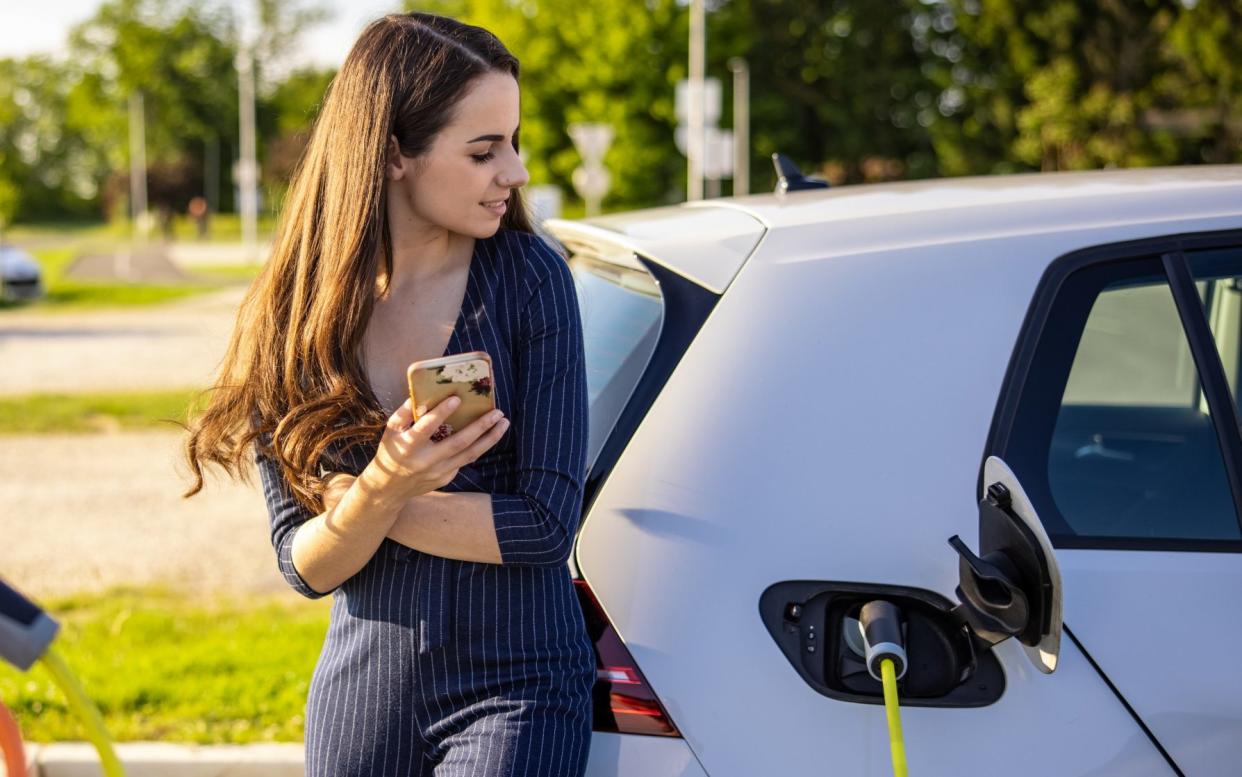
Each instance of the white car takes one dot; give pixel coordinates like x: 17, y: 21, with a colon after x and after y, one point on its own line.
x: 19, y: 275
x: 797, y: 400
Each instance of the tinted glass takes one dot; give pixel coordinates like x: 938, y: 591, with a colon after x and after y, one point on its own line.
x: 1218, y: 274
x: 621, y: 314
x: 1134, y: 452
x: 1133, y: 351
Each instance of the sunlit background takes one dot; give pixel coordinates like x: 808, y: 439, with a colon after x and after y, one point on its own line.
x: 130, y: 226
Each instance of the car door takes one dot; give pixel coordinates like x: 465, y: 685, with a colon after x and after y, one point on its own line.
x: 1120, y: 419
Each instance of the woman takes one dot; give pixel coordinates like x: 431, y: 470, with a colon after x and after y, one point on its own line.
x: 456, y: 644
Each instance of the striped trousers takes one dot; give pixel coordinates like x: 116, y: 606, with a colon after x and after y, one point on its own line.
x: 412, y: 681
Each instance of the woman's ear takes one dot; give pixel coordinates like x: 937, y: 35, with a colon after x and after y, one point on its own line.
x: 394, y: 163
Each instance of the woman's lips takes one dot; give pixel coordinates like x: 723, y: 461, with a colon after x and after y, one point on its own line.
x: 498, y: 209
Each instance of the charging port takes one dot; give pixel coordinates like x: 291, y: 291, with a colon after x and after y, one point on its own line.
x: 943, y: 667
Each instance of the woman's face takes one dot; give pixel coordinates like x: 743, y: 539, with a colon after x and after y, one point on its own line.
x: 463, y: 181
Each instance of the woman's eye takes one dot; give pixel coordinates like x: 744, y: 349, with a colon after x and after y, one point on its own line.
x: 482, y: 158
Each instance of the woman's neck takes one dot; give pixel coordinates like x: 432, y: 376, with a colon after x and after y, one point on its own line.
x: 425, y: 253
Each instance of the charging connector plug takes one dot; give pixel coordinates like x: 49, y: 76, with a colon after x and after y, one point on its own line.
x: 26, y: 631
x: 880, y: 623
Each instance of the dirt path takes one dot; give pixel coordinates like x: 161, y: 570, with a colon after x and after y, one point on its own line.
x: 84, y: 512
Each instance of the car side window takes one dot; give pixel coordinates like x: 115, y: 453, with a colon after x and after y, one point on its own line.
x: 1112, y: 435
x: 1218, y: 274
x: 1134, y: 451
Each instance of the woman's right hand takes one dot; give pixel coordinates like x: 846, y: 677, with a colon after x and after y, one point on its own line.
x: 408, y: 463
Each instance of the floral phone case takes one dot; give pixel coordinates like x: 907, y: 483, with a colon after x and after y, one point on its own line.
x: 468, y: 375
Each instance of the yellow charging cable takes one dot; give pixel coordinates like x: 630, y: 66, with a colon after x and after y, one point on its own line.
x: 895, y: 743
x: 86, y: 712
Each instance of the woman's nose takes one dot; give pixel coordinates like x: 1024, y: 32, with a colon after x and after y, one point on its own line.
x: 515, y: 175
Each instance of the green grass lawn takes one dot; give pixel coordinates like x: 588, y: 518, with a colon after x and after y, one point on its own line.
x: 66, y: 294
x: 223, y: 226
x: 55, y: 246
x: 88, y: 413
x: 168, y: 666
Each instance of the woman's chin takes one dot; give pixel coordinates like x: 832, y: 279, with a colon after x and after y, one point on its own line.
x: 480, y: 228
x: 483, y: 230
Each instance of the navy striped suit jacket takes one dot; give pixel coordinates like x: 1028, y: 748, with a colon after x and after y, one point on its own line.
x: 472, y: 632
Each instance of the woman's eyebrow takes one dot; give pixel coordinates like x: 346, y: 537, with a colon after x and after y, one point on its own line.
x: 492, y: 138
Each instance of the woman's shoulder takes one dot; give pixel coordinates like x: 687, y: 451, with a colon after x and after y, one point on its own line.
x: 537, y: 258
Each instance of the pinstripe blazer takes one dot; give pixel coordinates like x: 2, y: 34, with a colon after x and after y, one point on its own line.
x: 521, y: 307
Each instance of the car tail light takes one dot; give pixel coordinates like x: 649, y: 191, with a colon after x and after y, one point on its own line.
x: 624, y: 702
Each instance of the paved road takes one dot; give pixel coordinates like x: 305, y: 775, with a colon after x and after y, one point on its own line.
x: 177, y: 345
x: 82, y: 512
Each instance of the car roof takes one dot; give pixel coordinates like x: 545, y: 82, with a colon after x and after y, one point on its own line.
x: 1016, y: 196
x: 709, y: 240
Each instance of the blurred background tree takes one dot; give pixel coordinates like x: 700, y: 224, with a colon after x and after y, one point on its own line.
x: 64, y: 126
x: 179, y: 56
x: 852, y: 90
x: 836, y: 85
x: 1063, y: 85
x: 285, y: 111
x: 614, y: 62
x: 47, y: 169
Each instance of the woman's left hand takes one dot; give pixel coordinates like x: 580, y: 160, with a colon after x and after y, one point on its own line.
x: 338, y: 484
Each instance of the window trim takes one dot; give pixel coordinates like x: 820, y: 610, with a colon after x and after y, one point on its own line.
x: 1169, y: 251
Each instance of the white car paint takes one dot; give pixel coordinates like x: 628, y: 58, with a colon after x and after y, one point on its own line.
x: 827, y: 423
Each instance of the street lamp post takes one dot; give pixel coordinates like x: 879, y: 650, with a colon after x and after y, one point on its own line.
x: 247, y: 166
x: 137, y: 165
x: 122, y: 258
x: 741, y: 125
x: 695, y: 123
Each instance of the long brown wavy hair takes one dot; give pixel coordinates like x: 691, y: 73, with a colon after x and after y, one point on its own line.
x: 292, y: 382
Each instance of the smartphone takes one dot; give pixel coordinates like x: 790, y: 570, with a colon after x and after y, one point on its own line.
x: 467, y: 375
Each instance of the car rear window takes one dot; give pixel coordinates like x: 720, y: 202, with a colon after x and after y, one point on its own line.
x: 622, y: 311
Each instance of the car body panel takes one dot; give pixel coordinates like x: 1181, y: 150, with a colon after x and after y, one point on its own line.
x: 703, y: 242
x: 978, y: 206
x: 1162, y: 626
x: 621, y: 755
x: 850, y: 450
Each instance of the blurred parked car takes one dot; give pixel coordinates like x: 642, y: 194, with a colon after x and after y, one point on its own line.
x: 20, y: 277
x: 798, y: 398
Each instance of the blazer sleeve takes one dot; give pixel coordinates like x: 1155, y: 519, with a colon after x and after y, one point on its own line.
x: 285, y: 515
x: 536, y: 525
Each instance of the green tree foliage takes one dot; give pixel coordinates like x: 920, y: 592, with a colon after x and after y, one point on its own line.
x: 8, y: 202
x: 64, y: 126
x: 284, y: 117
x: 1060, y: 84
x: 836, y: 85
x: 1206, y: 42
x: 179, y: 55
x: 611, y: 61
x: 172, y: 51
x: 45, y: 167
x: 852, y: 90
x: 280, y: 24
